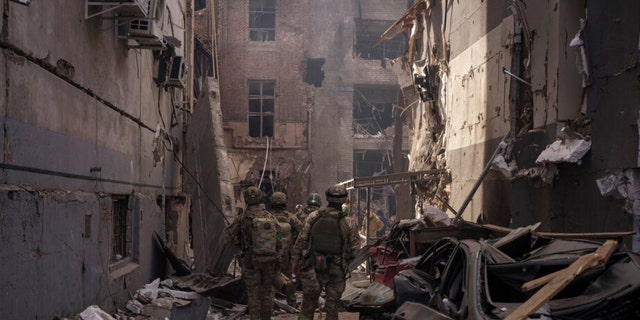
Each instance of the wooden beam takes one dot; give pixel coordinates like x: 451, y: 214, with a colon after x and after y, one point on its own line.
x: 604, y: 252
x: 562, y: 279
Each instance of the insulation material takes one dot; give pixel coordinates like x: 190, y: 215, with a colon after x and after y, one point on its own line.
x: 613, y: 185
x: 569, y: 150
x: 507, y: 169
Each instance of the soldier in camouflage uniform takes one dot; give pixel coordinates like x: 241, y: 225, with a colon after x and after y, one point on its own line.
x: 313, y: 203
x: 290, y: 228
x: 256, y: 236
x: 328, y: 243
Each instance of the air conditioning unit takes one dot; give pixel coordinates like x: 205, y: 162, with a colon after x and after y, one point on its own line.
x: 149, y: 31
x: 124, y: 8
x: 177, y: 73
x: 132, y: 8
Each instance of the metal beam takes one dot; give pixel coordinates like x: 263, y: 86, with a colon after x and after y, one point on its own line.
x: 395, y: 178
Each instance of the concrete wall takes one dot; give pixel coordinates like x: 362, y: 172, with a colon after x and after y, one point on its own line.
x: 469, y: 44
x: 75, y: 99
x: 56, y: 257
x: 283, y: 61
x: 477, y: 86
x: 333, y: 39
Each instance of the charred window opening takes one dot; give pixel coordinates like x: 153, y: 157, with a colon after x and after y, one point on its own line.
x: 369, y: 163
x: 367, y: 34
x: 199, y: 4
x: 121, y: 238
x: 373, y: 109
x: 261, y: 108
x: 262, y: 20
x: 313, y: 74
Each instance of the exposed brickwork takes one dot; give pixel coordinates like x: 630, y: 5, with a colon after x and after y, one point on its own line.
x: 280, y: 60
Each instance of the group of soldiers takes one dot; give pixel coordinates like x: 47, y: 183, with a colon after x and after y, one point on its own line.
x: 316, y: 244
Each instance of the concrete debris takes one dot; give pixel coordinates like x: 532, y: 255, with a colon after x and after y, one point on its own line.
x: 474, y: 271
x: 436, y: 216
x: 582, y: 59
x: 613, y: 185
x: 506, y: 169
x: 94, y: 312
x: 375, y: 295
x: 568, y: 150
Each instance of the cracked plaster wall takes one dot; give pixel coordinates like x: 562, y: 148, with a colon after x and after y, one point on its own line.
x: 75, y: 99
x: 481, y: 107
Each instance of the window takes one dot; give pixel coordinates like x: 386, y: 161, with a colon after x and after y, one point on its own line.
x: 261, y: 108
x: 262, y: 20
x: 367, y: 34
x: 122, y: 229
x: 373, y: 108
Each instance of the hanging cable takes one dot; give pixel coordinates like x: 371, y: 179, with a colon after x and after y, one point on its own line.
x: 265, y: 164
x: 175, y: 155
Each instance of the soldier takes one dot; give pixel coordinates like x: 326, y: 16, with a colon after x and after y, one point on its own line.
x: 290, y: 227
x: 313, y: 203
x: 375, y: 225
x: 328, y: 243
x: 256, y: 236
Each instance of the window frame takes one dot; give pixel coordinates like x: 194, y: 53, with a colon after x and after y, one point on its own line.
x: 368, y: 31
x: 262, y: 20
x: 263, y: 111
x: 121, y: 229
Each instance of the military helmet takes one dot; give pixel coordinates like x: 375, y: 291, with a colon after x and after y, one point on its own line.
x: 314, y: 200
x: 278, y: 199
x: 252, y: 195
x: 336, y: 193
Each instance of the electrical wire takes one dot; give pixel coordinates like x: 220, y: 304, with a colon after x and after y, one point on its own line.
x: 201, y: 188
x: 266, y: 157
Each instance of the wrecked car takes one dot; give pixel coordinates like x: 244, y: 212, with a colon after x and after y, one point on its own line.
x: 484, y: 279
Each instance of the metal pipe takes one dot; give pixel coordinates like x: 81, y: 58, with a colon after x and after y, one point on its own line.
x: 501, y: 146
x: 507, y: 72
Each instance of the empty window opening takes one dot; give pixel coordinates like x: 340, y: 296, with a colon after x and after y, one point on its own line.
x: 373, y: 109
x: 367, y: 34
x: 261, y: 108
x: 369, y: 163
x: 262, y: 20
x: 122, y: 229
x: 313, y: 74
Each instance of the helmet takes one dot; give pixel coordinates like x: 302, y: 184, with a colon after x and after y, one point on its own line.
x: 314, y: 200
x: 252, y: 195
x: 278, y: 199
x: 336, y: 193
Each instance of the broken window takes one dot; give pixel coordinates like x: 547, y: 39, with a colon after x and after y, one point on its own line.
x: 373, y: 108
x: 369, y: 163
x: 122, y: 229
x: 313, y: 74
x: 367, y: 34
x: 262, y: 20
x: 261, y: 108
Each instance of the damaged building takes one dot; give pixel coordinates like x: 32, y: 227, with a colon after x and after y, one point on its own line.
x: 532, y: 108
x: 306, y: 99
x: 131, y: 127
x: 96, y: 108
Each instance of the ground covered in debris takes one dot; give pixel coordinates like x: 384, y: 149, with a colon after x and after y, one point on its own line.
x: 455, y: 271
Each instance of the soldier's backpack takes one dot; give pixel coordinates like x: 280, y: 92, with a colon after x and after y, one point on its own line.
x: 263, y: 234
x: 285, y: 231
x: 325, y: 237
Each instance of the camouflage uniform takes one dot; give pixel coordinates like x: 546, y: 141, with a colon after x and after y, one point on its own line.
x: 285, y: 217
x: 258, y: 273
x: 375, y: 225
x: 325, y: 271
x: 313, y: 203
